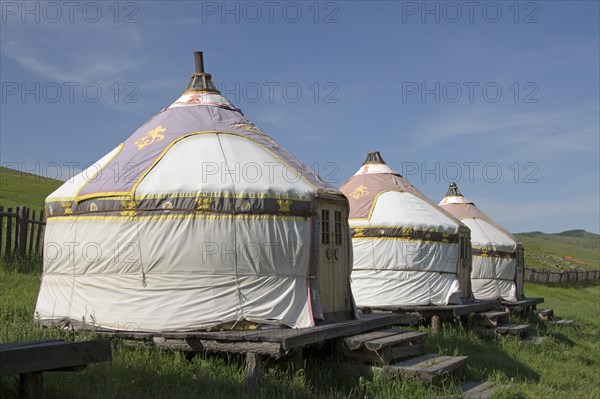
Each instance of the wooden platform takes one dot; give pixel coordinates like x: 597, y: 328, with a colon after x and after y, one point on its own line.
x: 521, y: 330
x: 492, y: 322
x: 523, y: 304
x: 429, y: 368
x: 384, y: 347
x: 274, y: 342
x: 545, y: 314
x: 398, y: 353
x: 31, y: 359
x: 447, y: 311
x: 491, y: 318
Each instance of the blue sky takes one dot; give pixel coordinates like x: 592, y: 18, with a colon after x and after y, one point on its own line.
x: 501, y: 96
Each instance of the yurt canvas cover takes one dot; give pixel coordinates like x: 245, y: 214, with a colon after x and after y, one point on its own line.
x: 407, y: 250
x: 497, y: 254
x: 198, y: 219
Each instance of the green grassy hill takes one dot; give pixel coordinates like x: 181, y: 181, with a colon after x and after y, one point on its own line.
x: 24, y: 189
x: 548, y: 251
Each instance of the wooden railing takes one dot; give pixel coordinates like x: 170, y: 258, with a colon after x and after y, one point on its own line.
x: 563, y: 276
x: 21, y: 232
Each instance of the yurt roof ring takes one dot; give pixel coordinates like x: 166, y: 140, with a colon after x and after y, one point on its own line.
x: 200, y: 81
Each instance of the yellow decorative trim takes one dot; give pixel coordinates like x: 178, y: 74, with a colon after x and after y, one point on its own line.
x: 216, y: 132
x: 217, y: 195
x: 77, y: 197
x: 151, y: 137
x: 375, y: 202
x: 359, y: 232
x: 131, y: 194
x: 359, y: 192
x: 130, y: 208
x: 404, y: 228
x: 204, y: 204
x: 194, y: 91
x: 284, y: 206
x: 403, y: 239
x: 181, y: 195
x: 180, y: 216
x: 67, y: 210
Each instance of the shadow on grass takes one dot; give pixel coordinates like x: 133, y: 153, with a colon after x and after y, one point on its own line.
x: 488, y: 358
x: 152, y: 373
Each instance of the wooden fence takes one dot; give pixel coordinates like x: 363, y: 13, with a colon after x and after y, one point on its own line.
x: 548, y: 276
x: 21, y: 232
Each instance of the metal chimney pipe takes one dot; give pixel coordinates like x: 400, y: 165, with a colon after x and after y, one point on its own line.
x: 199, y: 61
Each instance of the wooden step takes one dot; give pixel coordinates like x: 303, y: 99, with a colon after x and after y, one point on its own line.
x: 493, y: 314
x: 429, y: 368
x: 357, y: 341
x: 385, y: 347
x: 478, y: 390
x: 545, y: 314
x: 513, y: 329
x: 561, y: 322
x: 395, y: 340
x: 491, y: 318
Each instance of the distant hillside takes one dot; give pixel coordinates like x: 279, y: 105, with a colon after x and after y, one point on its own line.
x: 571, y: 248
x: 24, y: 189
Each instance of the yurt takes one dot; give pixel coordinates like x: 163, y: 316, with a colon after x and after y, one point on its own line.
x: 498, y: 260
x: 198, y: 220
x: 407, y: 250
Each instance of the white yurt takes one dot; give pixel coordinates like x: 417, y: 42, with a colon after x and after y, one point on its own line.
x: 498, y: 260
x: 198, y: 220
x: 407, y: 250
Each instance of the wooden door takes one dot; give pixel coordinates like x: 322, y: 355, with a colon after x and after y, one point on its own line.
x: 333, y: 271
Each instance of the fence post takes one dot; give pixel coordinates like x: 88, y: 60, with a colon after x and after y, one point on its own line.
x: 23, y: 216
x: 1, y: 226
x: 9, y: 244
x: 31, y: 222
x: 17, y: 232
x: 41, y: 226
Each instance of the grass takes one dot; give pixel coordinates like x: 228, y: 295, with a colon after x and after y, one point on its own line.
x: 24, y: 189
x: 549, y: 250
x: 564, y: 365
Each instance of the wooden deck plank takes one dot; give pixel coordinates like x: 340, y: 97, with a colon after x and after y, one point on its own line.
x: 46, y: 356
x: 446, y: 310
x: 272, y: 349
x: 522, y: 329
x: 356, y: 341
x: 429, y: 368
x: 524, y: 303
x: 288, y: 338
x: 493, y: 314
x: 342, y: 329
x: 445, y: 364
x: 397, y: 339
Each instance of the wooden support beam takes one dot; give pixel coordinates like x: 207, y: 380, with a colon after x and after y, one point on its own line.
x: 50, y: 355
x: 436, y: 324
x: 272, y: 349
x: 253, y: 369
x: 30, y: 385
